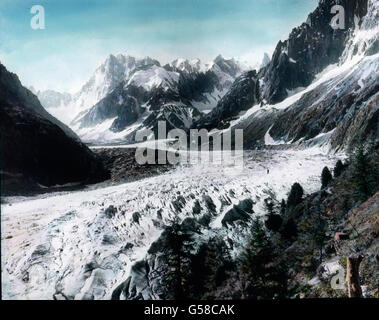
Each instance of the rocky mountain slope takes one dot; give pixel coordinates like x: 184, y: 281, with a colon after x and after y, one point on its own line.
x: 37, y: 150
x: 332, y: 85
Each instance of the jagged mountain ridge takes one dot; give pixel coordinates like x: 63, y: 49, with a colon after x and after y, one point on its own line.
x: 106, y: 77
x: 309, y: 49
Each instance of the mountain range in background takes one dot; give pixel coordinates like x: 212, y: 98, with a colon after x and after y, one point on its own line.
x: 126, y: 94
x: 126, y: 90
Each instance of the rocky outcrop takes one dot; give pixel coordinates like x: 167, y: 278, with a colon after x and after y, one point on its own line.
x: 36, y: 149
x: 145, y: 280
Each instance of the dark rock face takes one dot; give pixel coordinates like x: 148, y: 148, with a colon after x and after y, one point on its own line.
x: 128, y: 103
x: 343, y: 111
x: 195, y: 84
x: 309, y: 49
x: 243, y: 94
x: 35, y: 147
x: 256, y: 127
x: 14, y: 93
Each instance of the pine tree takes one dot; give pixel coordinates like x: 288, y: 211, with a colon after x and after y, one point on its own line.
x: 339, y: 167
x: 296, y: 195
x: 177, y: 245
x: 283, y: 208
x: 364, y: 175
x: 209, y: 268
x: 289, y: 229
x: 273, y: 221
x: 319, y: 234
x: 261, y: 278
x: 269, y: 204
x: 326, y: 178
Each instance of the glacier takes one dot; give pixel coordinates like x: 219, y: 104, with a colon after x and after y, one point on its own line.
x: 67, y: 245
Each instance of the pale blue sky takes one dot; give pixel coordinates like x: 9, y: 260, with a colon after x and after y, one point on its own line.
x: 80, y: 34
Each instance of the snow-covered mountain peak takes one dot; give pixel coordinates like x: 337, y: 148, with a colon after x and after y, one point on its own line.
x: 265, y: 60
x: 218, y: 59
x: 106, y: 77
x: 186, y: 65
x: 154, y: 77
x: 147, y: 62
x: 228, y: 66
